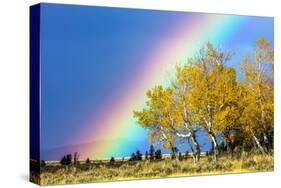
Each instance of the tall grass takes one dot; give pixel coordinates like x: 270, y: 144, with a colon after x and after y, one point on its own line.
x: 52, y: 174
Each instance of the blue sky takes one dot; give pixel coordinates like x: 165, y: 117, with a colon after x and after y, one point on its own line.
x: 89, y: 54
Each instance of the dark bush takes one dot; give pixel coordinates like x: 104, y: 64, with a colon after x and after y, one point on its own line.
x: 158, y: 154
x: 138, y: 155
x: 186, y: 155
x: 151, y: 152
x: 42, y: 163
x: 88, y: 161
x: 112, y: 160
x: 133, y: 157
x: 180, y: 156
x: 76, y: 158
x: 146, y: 155
x: 68, y: 159
x: 174, y: 152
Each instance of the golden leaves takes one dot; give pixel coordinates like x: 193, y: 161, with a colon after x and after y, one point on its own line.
x: 208, y: 94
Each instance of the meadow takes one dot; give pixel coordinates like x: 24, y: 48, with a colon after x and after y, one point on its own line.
x: 97, y: 171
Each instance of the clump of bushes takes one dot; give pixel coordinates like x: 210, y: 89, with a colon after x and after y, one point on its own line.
x: 66, y: 159
x: 136, y: 156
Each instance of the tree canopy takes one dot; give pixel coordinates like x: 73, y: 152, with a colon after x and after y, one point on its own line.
x: 207, y: 94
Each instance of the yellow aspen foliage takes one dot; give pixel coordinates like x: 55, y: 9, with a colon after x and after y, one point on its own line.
x: 257, y: 118
x: 207, y: 94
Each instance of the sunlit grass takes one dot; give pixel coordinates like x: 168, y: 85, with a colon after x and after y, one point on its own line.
x: 154, y: 169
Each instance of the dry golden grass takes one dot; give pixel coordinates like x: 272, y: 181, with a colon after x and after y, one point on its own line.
x: 156, y: 169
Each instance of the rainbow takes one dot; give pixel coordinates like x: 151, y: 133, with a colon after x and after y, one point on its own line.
x: 184, y: 42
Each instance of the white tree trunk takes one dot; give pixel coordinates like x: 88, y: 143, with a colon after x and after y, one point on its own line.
x: 258, y: 143
x: 197, y: 151
x: 215, y: 145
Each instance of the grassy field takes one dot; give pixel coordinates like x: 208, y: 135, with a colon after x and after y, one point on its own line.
x: 126, y: 170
